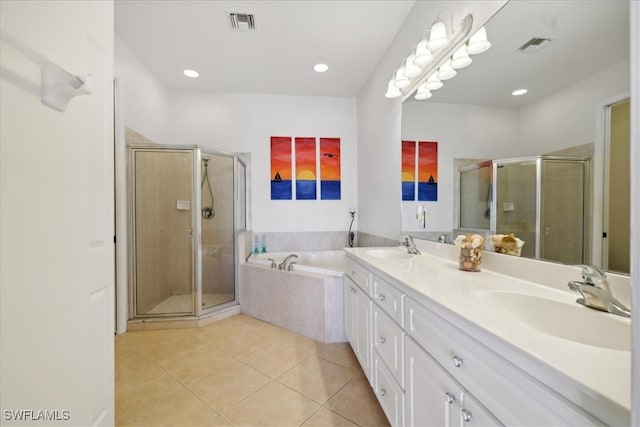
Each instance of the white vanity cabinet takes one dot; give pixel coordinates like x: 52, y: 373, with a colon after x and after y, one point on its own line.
x: 357, y: 314
x: 430, y: 367
x: 434, y: 398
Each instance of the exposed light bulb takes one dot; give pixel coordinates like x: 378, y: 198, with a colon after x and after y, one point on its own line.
x: 519, y: 92
x: 400, y: 80
x: 392, y: 90
x: 320, y: 68
x: 411, y: 70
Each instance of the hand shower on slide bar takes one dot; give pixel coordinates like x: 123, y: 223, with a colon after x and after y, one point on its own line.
x: 207, y: 212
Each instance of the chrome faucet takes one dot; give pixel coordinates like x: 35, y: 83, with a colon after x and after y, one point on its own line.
x: 283, y: 264
x: 273, y: 262
x: 596, y: 293
x: 411, y: 246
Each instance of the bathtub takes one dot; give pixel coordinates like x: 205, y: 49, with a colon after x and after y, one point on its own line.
x: 307, y: 300
x: 322, y: 262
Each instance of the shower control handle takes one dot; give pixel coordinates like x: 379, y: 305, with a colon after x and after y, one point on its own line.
x: 190, y: 232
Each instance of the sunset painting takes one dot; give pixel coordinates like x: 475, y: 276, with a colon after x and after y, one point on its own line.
x: 305, y: 168
x: 330, y: 168
x: 281, y: 168
x: 408, y: 170
x: 428, y: 171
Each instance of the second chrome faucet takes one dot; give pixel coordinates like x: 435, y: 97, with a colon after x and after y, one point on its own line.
x: 596, y: 292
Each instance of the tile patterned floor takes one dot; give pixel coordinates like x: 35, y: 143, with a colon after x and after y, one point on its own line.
x: 239, y: 372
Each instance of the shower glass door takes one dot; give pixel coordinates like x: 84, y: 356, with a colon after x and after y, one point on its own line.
x: 162, y: 225
x: 217, y: 229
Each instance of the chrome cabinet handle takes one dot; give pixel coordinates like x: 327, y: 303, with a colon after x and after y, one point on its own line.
x: 449, y: 398
x: 383, y: 340
x: 466, y: 415
x: 382, y: 298
x: 383, y: 392
x: 457, y: 361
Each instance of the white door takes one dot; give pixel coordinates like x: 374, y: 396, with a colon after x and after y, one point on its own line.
x: 56, y: 217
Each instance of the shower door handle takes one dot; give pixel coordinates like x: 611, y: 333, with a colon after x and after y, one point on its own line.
x: 190, y: 232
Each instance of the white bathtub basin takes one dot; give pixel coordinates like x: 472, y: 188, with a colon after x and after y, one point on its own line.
x: 566, y: 320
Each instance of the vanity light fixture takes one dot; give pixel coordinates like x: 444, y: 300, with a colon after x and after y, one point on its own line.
x: 439, y: 52
x: 320, y: 68
x: 519, y: 92
x: 191, y: 73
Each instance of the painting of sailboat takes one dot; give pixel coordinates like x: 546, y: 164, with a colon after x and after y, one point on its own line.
x: 427, y: 171
x: 281, y: 188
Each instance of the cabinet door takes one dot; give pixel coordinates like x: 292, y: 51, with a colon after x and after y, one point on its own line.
x: 362, y: 316
x: 434, y: 398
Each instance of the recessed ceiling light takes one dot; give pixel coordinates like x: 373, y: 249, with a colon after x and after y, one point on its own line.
x: 320, y: 68
x: 191, y: 73
x: 519, y: 92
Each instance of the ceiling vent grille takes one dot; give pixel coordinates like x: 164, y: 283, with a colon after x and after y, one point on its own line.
x: 534, y: 45
x: 242, y: 21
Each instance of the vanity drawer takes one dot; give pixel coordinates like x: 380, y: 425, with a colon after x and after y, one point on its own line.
x: 358, y: 274
x: 389, y: 298
x: 388, y: 342
x: 389, y: 394
x: 513, y: 396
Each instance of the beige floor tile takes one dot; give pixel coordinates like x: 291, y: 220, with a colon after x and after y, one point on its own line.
x: 241, y: 343
x: 284, y: 337
x: 275, y: 359
x: 272, y: 405
x: 134, y: 393
x: 317, y: 378
x: 340, y: 353
x: 178, y: 407
x: 135, y: 366
x: 195, y: 364
x: 224, y: 388
x: 325, y: 418
x: 169, y: 345
x: 357, y: 402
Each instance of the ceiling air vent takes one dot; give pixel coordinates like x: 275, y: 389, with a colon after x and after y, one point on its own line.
x: 534, y: 45
x: 242, y: 21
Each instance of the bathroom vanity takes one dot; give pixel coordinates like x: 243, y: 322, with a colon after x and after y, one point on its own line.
x: 445, y: 347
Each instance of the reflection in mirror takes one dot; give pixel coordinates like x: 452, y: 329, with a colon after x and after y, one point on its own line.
x: 572, y: 79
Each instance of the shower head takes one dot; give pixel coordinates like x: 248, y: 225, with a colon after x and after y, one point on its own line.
x: 206, y: 161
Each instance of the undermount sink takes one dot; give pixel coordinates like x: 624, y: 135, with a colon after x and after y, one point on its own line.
x: 571, y: 322
x: 392, y: 253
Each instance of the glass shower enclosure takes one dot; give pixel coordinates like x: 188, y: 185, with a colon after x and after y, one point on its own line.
x: 187, y: 205
x: 543, y: 200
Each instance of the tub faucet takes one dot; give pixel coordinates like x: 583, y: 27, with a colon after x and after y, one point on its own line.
x: 290, y: 266
x: 596, y: 293
x: 411, y: 246
x: 283, y: 264
x: 273, y: 262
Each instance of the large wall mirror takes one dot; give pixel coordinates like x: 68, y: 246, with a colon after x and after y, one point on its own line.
x: 573, y: 59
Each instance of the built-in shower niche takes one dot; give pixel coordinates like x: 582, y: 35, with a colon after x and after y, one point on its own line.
x: 543, y: 200
x: 187, y: 205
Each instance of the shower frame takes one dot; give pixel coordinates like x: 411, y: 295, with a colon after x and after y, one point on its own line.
x: 197, y: 153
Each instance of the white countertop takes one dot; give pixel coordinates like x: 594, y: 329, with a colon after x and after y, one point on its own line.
x: 595, y: 378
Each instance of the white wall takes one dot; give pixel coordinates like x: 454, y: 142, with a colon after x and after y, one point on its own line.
x: 462, y: 131
x: 245, y: 123
x: 56, y: 330
x: 566, y: 118
x: 144, y: 102
x: 379, y: 119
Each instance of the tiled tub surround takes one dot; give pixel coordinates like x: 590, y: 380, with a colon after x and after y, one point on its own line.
x: 308, y: 303
x: 527, y: 377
